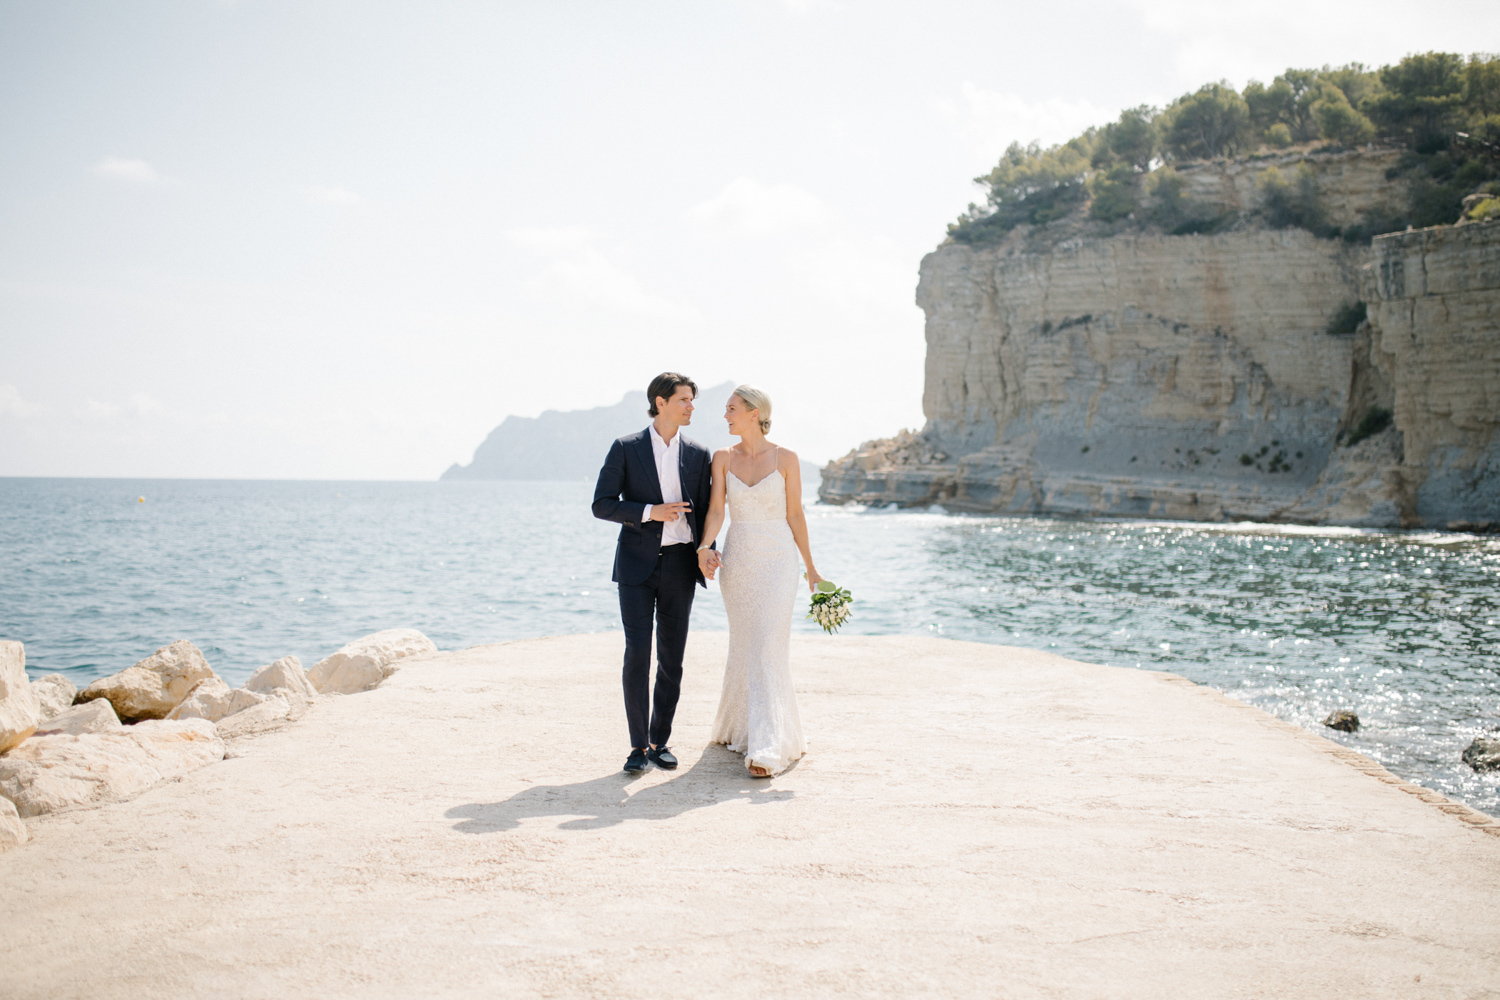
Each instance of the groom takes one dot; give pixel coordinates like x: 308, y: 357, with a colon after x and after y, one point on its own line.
x: 655, y: 483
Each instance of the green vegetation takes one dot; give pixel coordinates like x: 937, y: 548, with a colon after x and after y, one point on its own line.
x: 1294, y: 202
x: 1485, y: 209
x: 1442, y: 109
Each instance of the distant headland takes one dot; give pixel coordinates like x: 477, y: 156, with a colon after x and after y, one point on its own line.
x: 562, y: 445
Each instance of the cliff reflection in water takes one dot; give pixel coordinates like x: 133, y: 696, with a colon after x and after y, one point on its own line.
x: 1402, y: 628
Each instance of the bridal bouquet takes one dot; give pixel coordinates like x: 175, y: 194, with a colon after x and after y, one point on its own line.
x: 830, y: 606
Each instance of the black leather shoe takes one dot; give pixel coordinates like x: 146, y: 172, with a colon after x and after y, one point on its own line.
x: 636, y: 762
x: 662, y: 758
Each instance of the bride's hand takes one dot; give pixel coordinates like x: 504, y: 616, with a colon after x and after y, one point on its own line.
x: 708, y: 562
x: 813, y: 579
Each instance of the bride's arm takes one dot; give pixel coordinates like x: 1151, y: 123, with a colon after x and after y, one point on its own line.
x: 708, y: 559
x: 791, y: 472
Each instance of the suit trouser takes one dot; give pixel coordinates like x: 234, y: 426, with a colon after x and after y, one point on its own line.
x: 668, y: 594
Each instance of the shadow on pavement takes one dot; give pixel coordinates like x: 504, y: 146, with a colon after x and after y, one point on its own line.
x: 718, y: 776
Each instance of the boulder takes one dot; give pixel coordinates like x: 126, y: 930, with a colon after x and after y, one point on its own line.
x: 273, y: 713
x: 96, y: 716
x: 288, y: 694
x: 213, y: 700
x: 1483, y: 754
x: 67, y: 772
x: 1343, y: 720
x: 154, y: 686
x: 12, y: 830
x: 364, y: 663
x: 54, y: 695
x: 285, y: 673
x: 18, y: 707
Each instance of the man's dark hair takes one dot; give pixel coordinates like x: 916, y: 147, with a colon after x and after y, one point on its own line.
x: 664, y: 385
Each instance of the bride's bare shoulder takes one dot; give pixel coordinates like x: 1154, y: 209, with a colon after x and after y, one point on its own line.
x: 785, y: 457
x: 721, y: 455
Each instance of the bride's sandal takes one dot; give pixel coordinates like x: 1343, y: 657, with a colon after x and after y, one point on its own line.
x: 756, y: 771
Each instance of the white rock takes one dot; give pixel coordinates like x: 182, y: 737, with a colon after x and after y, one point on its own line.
x: 364, y: 663
x: 65, y: 772
x: 12, y: 830
x: 18, y: 707
x: 54, y: 695
x: 212, y: 699
x: 96, y: 716
x: 285, y: 673
x: 154, y: 686
x: 273, y: 713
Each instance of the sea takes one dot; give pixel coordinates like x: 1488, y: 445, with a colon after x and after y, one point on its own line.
x: 1403, y: 628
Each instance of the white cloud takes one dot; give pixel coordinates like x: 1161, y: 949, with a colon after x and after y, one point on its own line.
x: 139, y: 405
x: 747, y: 207
x: 123, y: 169
x: 578, y: 269
x: 557, y: 238
x: 337, y: 196
x: 990, y: 120
x: 1214, y: 41
x: 11, y: 403
x: 853, y: 272
x: 809, y: 6
x: 143, y: 405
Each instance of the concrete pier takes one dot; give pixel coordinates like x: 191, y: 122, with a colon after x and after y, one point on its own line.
x: 971, y: 821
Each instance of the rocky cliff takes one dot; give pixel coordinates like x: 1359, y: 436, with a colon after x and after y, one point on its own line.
x: 1208, y: 377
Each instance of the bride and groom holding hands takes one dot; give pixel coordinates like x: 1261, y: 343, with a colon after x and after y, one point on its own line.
x: 669, y: 497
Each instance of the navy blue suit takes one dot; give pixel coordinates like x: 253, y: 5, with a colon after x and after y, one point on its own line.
x: 655, y: 582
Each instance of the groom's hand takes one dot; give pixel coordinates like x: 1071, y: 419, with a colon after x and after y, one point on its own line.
x: 708, y: 562
x: 669, y: 511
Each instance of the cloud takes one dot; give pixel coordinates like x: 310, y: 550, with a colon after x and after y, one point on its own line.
x: 338, y: 196
x: 853, y: 272
x: 747, y: 207
x: 143, y: 405
x: 139, y: 405
x: 11, y: 403
x: 133, y: 171
x: 580, y: 270
x: 557, y: 238
x: 809, y: 6
x: 990, y: 120
x: 1215, y: 41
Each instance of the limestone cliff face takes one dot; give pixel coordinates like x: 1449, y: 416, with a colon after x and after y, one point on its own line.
x: 1435, y: 324
x: 1195, y: 377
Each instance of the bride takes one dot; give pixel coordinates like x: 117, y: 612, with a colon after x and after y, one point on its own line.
x: 763, y: 485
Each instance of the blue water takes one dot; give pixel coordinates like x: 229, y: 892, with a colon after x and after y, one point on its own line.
x: 1403, y: 628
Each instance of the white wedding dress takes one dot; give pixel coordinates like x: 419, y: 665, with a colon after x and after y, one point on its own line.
x: 758, y: 708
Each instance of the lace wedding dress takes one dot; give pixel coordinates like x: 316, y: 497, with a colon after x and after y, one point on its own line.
x: 758, y: 708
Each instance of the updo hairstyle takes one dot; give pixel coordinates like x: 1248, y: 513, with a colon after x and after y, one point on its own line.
x: 756, y: 399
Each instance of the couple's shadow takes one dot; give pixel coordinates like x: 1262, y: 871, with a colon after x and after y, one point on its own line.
x: 717, y: 776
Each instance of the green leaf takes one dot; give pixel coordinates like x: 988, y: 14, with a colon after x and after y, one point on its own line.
x: 826, y: 587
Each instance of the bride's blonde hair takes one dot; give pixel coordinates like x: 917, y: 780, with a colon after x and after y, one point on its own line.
x: 756, y: 399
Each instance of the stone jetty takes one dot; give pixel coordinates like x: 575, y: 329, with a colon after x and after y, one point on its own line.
x: 971, y: 820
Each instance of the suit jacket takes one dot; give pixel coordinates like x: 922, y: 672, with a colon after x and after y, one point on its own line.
x: 628, y: 482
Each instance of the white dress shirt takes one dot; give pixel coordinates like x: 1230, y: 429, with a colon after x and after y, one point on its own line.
x: 668, y: 473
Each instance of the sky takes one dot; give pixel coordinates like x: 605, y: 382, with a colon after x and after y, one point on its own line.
x: 331, y: 240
